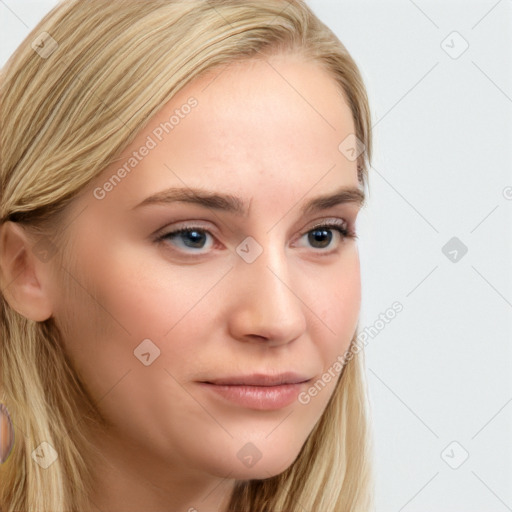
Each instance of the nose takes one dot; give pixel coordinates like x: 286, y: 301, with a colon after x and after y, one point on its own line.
x: 266, y: 303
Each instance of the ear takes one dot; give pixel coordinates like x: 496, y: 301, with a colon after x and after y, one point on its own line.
x: 23, y: 274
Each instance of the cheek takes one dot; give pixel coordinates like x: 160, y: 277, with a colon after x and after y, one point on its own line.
x: 346, y: 290
x: 159, y: 300
x: 347, y: 295
x: 339, y: 306
x: 107, y: 326
x: 138, y: 299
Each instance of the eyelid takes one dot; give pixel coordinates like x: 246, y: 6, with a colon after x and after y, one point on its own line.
x: 331, y: 220
x: 169, y: 228
x: 345, y: 228
x: 342, y: 222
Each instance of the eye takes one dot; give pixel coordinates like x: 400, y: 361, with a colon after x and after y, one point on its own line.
x: 197, y: 237
x: 189, y: 237
x: 321, y: 235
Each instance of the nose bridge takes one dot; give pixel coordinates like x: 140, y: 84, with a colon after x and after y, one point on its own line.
x: 267, y: 304
x: 271, y: 273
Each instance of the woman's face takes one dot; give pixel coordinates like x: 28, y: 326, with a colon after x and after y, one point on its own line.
x: 246, y: 292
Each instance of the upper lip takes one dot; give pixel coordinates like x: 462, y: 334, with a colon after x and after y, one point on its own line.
x: 258, y: 379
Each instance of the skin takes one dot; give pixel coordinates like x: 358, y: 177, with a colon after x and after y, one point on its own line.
x: 171, y: 445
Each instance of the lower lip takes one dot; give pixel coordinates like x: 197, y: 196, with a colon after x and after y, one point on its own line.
x: 258, y: 397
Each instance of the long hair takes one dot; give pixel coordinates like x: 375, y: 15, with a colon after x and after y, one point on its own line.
x: 71, y: 100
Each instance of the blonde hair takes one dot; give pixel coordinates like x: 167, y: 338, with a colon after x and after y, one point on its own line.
x: 65, y: 117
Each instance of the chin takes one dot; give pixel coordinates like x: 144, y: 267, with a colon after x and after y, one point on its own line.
x: 263, y: 471
x: 249, y: 463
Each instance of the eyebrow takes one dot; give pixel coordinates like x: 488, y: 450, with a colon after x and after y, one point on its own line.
x: 233, y: 204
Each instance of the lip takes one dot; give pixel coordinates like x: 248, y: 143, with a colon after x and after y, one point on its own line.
x: 260, y: 379
x: 260, y: 392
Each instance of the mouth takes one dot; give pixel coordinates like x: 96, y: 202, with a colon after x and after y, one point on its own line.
x: 259, y: 392
x: 262, y: 380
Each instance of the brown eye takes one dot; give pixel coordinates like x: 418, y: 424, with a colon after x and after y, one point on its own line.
x: 321, y: 236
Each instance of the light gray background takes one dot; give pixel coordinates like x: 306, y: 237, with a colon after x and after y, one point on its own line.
x: 440, y: 371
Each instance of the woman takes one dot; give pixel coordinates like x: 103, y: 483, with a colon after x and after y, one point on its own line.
x: 179, y: 270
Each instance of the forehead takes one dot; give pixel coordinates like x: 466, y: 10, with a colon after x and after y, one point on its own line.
x: 251, y: 126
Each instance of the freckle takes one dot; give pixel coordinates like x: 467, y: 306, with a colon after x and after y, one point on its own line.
x: 6, y: 434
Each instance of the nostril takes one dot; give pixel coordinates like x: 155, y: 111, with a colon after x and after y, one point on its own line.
x: 257, y: 337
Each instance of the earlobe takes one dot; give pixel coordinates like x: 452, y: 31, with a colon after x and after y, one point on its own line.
x: 22, y: 274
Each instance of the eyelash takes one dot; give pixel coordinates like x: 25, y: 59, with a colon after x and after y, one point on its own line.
x: 340, y: 226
